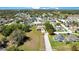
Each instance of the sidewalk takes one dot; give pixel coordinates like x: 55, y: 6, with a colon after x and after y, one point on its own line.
x: 47, y: 43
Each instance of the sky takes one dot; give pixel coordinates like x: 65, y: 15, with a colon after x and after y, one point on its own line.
x: 39, y: 3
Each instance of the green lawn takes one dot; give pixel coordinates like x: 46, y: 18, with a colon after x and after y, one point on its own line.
x: 35, y: 43
x: 76, y: 34
x: 55, y: 44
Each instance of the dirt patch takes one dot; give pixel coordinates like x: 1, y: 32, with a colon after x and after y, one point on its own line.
x: 36, y: 42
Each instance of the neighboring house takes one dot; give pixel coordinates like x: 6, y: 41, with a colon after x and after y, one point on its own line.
x: 59, y: 38
x: 63, y: 20
x: 58, y: 27
x: 77, y: 30
x: 53, y: 20
x: 3, y: 21
x: 39, y: 24
x: 72, y: 38
x: 73, y: 17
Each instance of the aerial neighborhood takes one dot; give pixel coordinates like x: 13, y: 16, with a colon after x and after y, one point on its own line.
x: 39, y: 30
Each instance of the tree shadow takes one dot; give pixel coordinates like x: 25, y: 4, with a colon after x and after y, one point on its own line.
x: 4, y: 44
x: 30, y: 30
x: 25, y: 39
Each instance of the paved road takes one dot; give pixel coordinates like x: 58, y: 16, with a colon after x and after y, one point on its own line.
x: 65, y: 27
x: 47, y: 43
x: 62, y: 32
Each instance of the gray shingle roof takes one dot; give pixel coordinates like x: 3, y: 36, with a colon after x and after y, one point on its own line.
x: 59, y: 37
x: 72, y: 38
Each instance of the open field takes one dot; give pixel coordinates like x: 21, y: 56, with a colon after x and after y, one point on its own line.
x: 36, y: 42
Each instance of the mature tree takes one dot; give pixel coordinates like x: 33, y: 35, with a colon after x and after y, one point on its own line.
x: 7, y: 30
x: 17, y: 37
x: 49, y: 28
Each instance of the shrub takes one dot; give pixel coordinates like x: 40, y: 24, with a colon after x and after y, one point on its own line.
x: 68, y: 42
x: 74, y: 48
x: 12, y: 48
x: 3, y: 42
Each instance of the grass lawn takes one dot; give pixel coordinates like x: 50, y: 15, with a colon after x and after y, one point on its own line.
x: 36, y: 42
x: 61, y: 46
x: 55, y: 44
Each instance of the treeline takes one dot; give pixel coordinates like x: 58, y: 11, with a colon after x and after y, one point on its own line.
x: 7, y: 13
x: 11, y: 13
x: 13, y: 35
x: 69, y: 11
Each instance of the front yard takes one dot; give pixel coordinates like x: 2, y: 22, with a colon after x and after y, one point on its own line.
x: 62, y: 46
